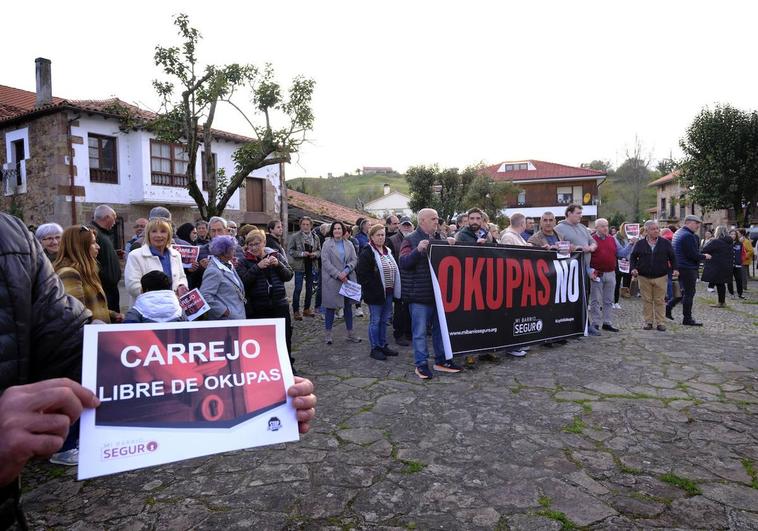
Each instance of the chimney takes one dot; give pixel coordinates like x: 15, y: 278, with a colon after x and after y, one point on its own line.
x: 386, y: 189
x: 44, y: 82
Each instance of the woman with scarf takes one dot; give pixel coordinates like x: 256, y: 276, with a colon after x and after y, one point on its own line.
x: 222, y: 287
x: 264, y: 272
x: 379, y: 277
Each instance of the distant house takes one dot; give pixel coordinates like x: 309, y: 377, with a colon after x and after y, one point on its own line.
x: 376, y: 170
x: 320, y: 210
x: 390, y: 203
x: 547, y: 186
x: 672, y: 205
x: 61, y: 158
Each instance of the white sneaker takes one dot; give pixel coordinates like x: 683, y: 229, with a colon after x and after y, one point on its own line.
x: 616, y: 306
x: 67, y: 458
x: 359, y: 312
x: 516, y: 353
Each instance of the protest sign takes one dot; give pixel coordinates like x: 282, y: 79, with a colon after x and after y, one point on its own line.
x: 632, y: 230
x: 623, y: 264
x: 173, y: 391
x: 351, y: 290
x: 189, y: 254
x: 564, y: 249
x: 491, y: 298
x: 194, y: 304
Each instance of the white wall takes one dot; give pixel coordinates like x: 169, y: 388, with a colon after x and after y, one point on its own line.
x: 134, y: 181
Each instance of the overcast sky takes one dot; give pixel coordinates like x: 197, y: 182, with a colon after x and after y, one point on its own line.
x: 401, y: 83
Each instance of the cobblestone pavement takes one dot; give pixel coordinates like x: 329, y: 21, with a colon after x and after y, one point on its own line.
x: 640, y: 429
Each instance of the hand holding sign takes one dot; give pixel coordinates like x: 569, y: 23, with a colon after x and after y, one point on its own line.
x: 35, y: 420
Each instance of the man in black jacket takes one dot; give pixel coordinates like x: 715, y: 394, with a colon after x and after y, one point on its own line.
x: 104, y: 218
x: 418, y: 293
x: 651, y: 261
x: 686, y: 245
x: 40, y: 357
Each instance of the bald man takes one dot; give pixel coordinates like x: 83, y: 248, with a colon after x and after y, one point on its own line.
x: 417, y: 292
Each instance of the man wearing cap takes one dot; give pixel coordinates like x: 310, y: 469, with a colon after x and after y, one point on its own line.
x: 688, y: 257
x: 401, y: 316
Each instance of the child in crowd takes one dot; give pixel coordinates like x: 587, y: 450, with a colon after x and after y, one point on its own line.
x: 157, y: 303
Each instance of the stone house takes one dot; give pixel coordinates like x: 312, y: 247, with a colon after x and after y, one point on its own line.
x: 62, y: 157
x: 672, y: 205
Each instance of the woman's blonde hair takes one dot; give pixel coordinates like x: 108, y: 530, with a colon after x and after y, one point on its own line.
x: 374, y: 229
x: 158, y: 223
x: 255, y: 233
x: 75, y: 253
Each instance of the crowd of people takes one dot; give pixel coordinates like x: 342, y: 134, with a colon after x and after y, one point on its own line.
x: 71, y: 277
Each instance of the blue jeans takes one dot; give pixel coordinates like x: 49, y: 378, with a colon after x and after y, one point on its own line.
x: 329, y: 315
x: 379, y: 314
x: 421, y: 316
x: 300, y: 276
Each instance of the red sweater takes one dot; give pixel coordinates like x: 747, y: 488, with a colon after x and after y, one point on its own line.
x: 604, y: 257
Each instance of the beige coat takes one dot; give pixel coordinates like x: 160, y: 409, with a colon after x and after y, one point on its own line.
x: 141, y: 261
x: 331, y: 266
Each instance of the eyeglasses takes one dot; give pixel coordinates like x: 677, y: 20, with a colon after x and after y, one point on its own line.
x: 48, y: 238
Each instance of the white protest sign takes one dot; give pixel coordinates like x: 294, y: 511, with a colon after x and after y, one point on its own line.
x: 173, y: 391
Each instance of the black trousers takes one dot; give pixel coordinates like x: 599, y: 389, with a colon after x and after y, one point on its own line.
x: 113, y: 297
x: 622, y: 280
x: 401, y: 320
x: 274, y: 313
x: 688, y: 282
x: 737, y: 274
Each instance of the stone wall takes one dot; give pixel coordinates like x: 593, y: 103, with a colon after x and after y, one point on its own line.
x: 47, y: 171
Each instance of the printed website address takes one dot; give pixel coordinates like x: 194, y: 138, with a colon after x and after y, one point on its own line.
x: 474, y: 331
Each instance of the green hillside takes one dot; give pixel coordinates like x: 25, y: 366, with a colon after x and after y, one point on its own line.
x: 348, y: 189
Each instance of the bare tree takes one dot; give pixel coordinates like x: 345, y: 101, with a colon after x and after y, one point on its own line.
x: 189, y: 119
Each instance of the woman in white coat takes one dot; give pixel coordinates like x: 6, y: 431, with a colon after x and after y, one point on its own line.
x: 338, y: 261
x: 156, y: 254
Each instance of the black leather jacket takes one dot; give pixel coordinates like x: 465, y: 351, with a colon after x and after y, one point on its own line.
x: 40, y: 326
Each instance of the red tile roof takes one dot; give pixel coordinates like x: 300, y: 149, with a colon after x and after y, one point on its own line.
x: 17, y: 103
x: 543, y: 170
x: 322, y: 207
x: 665, y: 179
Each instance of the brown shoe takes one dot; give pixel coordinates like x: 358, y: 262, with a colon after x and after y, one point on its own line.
x: 648, y: 326
x: 298, y: 316
x: 660, y: 328
x: 308, y: 313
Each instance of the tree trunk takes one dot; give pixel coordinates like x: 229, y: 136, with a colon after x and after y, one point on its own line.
x: 284, y: 202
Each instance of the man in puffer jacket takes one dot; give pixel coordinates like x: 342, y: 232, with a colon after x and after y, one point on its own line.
x: 40, y: 359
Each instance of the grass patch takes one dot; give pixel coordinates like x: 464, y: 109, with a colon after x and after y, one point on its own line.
x: 366, y: 409
x: 687, y: 485
x: 558, y: 516
x: 642, y: 496
x: 516, y: 389
x: 747, y: 464
x: 570, y: 456
x: 625, y: 468
x: 576, y: 426
x: 150, y: 501
x: 412, y: 467
x: 57, y: 472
